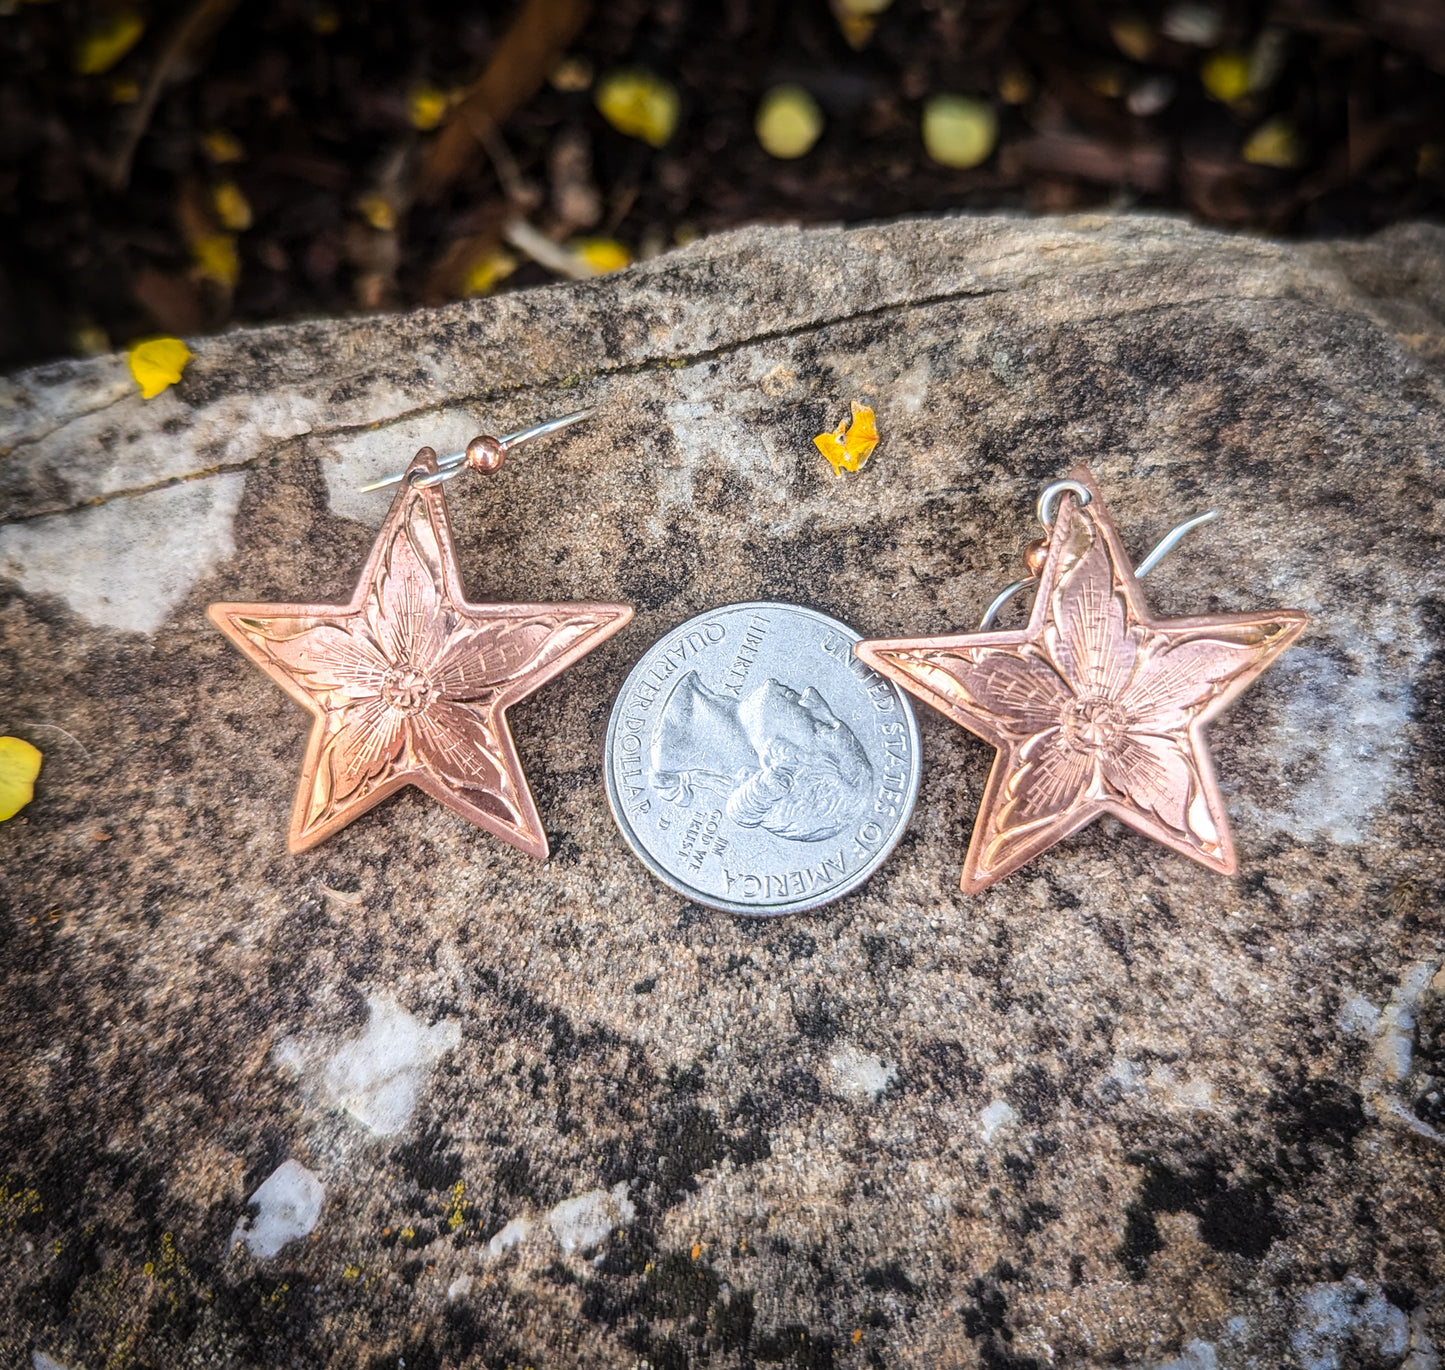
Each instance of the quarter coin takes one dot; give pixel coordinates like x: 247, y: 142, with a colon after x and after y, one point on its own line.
x: 756, y: 765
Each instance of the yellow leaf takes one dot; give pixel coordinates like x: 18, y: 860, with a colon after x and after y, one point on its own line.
x: 959, y: 132
x: 852, y: 442
x: 640, y: 104
x: 233, y: 209
x: 101, y: 47
x: 857, y: 20
x: 1274, y: 143
x: 602, y: 254
x: 426, y: 106
x: 1133, y: 36
x: 19, y: 765
x: 123, y: 92
x: 1015, y: 85
x: 222, y: 147
x: 484, y: 275
x: 216, y: 259
x: 788, y: 122
x: 157, y: 364
x: 378, y: 211
x: 1225, y: 75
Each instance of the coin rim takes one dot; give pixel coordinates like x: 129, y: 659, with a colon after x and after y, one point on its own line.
x: 863, y: 874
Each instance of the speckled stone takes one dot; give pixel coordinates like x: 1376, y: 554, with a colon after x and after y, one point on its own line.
x: 1118, y: 1111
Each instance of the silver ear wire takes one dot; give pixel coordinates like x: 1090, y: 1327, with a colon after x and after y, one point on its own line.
x: 1048, y: 502
x: 1169, y: 541
x: 454, y: 463
x: 1002, y: 598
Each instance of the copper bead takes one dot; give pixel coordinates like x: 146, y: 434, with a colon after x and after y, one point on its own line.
x: 485, y: 455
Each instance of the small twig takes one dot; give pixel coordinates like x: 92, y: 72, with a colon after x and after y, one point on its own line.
x: 542, y: 250
x: 203, y: 19
x: 623, y: 198
x: 514, y: 184
x: 56, y: 728
x: 518, y: 66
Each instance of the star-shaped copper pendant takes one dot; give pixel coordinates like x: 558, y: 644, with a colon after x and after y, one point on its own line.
x: 410, y: 683
x: 1095, y: 707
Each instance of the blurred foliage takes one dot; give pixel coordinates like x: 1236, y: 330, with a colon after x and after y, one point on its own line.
x: 789, y: 122
x: 959, y: 132
x: 642, y: 123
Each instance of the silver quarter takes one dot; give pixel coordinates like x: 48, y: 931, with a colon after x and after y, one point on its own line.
x: 756, y: 765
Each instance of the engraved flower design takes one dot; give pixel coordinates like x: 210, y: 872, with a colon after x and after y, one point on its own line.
x: 1094, y: 707
x: 1098, y: 703
x: 408, y: 684
x: 404, y: 679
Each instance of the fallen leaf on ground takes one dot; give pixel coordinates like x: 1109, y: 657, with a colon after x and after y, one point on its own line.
x: 232, y: 207
x: 1015, y: 85
x: 101, y: 47
x: 640, y: 104
x: 487, y: 272
x: 221, y: 146
x: 19, y: 765
x: 217, y: 260
x: 377, y: 210
x: 157, y: 364
x: 426, y: 106
x: 1225, y: 75
x: 602, y: 254
x: 1133, y: 36
x: 1274, y: 143
x: 788, y: 122
x: 857, y: 19
x: 852, y: 442
x: 959, y: 132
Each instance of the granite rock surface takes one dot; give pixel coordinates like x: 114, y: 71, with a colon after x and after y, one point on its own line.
x: 415, y: 1098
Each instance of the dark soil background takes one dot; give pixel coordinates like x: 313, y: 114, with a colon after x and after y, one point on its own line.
x: 119, y: 213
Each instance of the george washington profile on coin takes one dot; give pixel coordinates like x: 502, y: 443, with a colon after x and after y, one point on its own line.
x: 782, y: 761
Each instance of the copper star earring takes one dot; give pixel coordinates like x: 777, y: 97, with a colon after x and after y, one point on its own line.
x: 410, y: 683
x: 1096, y: 706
